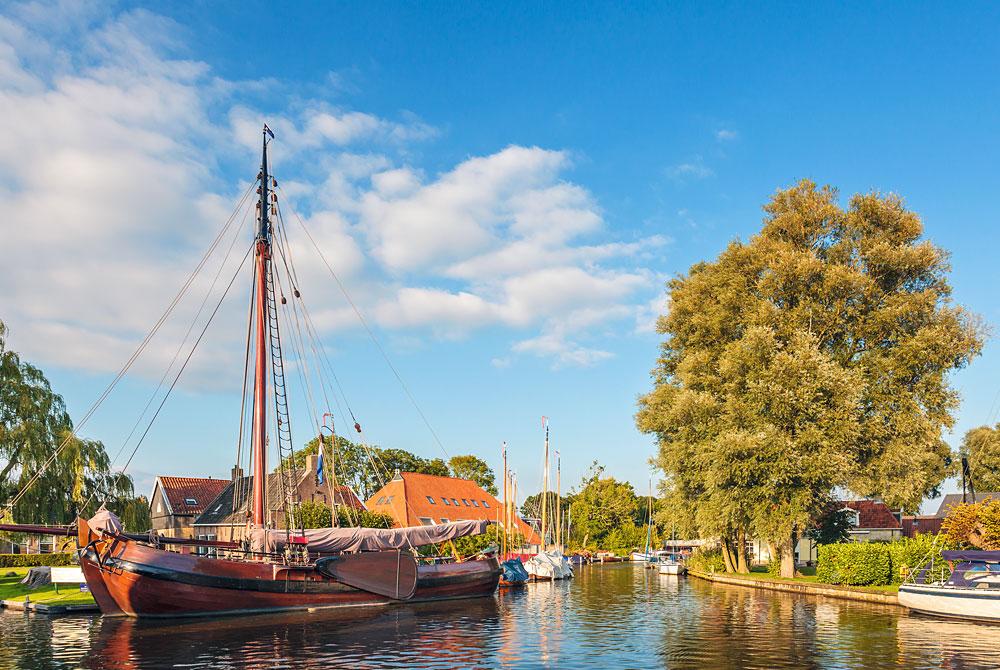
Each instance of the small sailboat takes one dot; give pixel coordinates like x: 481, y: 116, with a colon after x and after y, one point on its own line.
x: 513, y: 573
x: 647, y: 555
x: 548, y: 564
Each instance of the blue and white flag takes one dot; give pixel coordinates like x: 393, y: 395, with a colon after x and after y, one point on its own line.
x: 319, y: 467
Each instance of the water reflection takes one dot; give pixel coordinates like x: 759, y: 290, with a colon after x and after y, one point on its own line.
x: 610, y: 616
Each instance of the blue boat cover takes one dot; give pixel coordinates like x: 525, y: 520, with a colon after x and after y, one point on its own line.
x: 513, y: 570
x: 971, y: 555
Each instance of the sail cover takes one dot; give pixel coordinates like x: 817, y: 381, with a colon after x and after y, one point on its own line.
x: 368, y: 539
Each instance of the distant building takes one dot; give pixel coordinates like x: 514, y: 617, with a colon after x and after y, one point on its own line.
x: 872, y: 520
x: 953, y: 499
x: 229, y: 511
x: 177, y: 501
x: 927, y: 523
x: 414, y: 499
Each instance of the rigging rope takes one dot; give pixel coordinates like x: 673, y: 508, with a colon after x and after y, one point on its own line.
x: 131, y: 360
x: 371, y: 334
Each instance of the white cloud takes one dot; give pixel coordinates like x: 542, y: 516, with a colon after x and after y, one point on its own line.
x: 112, y: 191
x: 693, y: 169
x: 726, y: 135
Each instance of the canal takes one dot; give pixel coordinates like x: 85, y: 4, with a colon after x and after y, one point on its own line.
x: 614, y: 616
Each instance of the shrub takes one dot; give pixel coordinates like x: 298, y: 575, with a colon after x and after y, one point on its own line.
x: 32, y: 560
x: 774, y: 568
x: 707, y: 560
x: 855, y: 564
x: 912, y: 553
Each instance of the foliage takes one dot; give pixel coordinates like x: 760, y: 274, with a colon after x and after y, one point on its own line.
x: 624, y: 539
x: 974, y: 525
x: 476, y: 469
x: 318, y: 515
x: 854, y: 564
x: 602, y: 506
x: 832, y: 526
x: 913, y: 553
x: 814, y: 356
x: 707, y: 560
x: 34, y: 423
x: 31, y: 560
x: 774, y: 568
x: 981, y: 446
x: 365, y: 468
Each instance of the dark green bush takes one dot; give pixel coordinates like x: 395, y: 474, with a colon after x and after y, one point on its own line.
x: 774, y: 567
x: 707, y: 560
x: 32, y: 560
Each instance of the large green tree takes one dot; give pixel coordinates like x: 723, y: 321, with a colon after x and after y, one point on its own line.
x: 476, y: 469
x: 981, y: 446
x: 602, y: 505
x: 34, y: 425
x: 814, y: 356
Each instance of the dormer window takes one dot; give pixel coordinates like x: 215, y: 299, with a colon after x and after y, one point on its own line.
x: 446, y: 501
x: 475, y: 504
x: 853, y: 516
x: 485, y: 504
x: 190, y: 501
x: 431, y: 500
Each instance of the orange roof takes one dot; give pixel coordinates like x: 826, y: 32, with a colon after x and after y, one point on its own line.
x: 179, y: 490
x: 410, y: 497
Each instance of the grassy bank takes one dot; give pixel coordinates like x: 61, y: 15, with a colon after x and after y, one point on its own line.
x: 808, y: 578
x: 69, y: 594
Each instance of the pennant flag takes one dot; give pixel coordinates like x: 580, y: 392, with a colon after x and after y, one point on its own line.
x: 319, y: 467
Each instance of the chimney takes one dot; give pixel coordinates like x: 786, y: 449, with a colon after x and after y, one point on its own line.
x: 312, y: 461
x: 237, y: 473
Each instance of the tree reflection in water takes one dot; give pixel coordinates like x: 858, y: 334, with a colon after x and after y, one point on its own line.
x: 609, y: 616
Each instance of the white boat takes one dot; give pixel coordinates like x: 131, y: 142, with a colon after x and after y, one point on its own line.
x: 670, y: 566
x: 972, y: 591
x: 549, y: 565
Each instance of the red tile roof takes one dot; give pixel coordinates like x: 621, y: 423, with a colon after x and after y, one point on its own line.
x: 179, y: 489
x: 873, y: 514
x: 407, y: 498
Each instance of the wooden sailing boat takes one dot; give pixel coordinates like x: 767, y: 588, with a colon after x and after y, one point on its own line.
x: 272, y: 569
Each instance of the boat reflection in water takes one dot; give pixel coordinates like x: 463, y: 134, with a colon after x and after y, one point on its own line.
x: 608, y: 616
x: 359, y: 637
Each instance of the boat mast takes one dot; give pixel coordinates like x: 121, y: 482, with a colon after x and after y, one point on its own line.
x: 506, y: 508
x: 262, y: 261
x: 545, y: 482
x: 558, y: 513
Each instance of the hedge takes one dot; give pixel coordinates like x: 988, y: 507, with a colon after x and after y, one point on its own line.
x: 707, y: 560
x: 875, y: 563
x: 32, y: 560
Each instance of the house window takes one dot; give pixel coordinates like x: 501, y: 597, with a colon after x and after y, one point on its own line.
x: 455, y: 500
x: 206, y: 551
x: 475, y: 504
x: 190, y: 501
x: 426, y: 521
x: 465, y: 501
x: 381, y: 500
x: 46, y: 544
x: 485, y: 504
x: 431, y: 500
x: 389, y: 499
x: 446, y: 501
x: 443, y: 520
x: 159, y: 507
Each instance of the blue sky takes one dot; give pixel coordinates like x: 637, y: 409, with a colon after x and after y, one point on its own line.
x: 504, y: 190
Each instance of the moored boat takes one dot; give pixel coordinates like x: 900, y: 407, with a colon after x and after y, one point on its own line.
x: 971, y: 591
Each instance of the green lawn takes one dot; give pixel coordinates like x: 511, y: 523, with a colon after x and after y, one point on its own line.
x: 69, y: 594
x: 808, y: 576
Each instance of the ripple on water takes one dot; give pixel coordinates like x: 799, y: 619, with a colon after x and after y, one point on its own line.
x: 610, y: 616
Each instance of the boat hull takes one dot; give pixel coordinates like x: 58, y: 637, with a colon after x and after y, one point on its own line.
x: 954, y: 602
x: 670, y: 568
x: 132, y: 579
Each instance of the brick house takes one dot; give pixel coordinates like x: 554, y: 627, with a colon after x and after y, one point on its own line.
x: 177, y: 501
x: 414, y: 499
x: 222, y: 517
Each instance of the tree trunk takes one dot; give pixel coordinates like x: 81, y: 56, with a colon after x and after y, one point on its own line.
x: 787, y: 550
x: 741, y: 552
x: 727, y: 556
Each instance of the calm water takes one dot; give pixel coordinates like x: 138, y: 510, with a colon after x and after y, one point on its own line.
x: 617, y: 616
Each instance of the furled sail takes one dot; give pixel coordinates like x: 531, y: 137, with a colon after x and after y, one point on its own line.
x: 368, y: 539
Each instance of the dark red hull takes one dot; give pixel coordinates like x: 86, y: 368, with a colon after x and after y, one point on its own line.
x: 132, y: 579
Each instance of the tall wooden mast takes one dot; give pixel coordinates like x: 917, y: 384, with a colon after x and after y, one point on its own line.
x: 545, y: 483
x: 263, y: 259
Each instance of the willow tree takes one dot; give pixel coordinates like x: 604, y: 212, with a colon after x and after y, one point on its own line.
x: 814, y: 356
x: 981, y: 446
x: 34, y: 425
